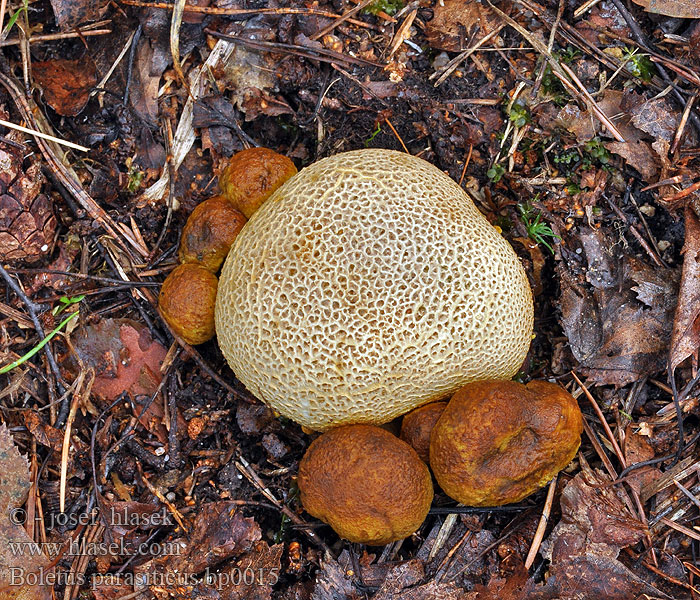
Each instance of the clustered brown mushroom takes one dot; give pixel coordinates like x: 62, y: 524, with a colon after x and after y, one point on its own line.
x: 188, y: 295
x: 363, y: 287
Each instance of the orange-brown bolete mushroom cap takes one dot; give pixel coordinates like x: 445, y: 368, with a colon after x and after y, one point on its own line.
x: 252, y: 175
x: 499, y: 441
x: 417, y: 425
x: 366, y: 483
x: 186, y: 301
x: 209, y: 232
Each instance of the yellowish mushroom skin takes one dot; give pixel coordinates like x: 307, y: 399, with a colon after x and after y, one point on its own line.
x: 367, y: 285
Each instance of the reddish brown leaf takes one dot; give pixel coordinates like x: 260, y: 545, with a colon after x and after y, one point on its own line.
x: 123, y: 355
x: 66, y: 83
x: 219, y: 532
x: 594, y: 577
x: 685, y: 338
x: 583, y: 548
x: 594, y: 519
x: 638, y: 449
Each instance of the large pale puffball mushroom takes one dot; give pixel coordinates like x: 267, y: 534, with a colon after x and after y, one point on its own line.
x: 366, y: 285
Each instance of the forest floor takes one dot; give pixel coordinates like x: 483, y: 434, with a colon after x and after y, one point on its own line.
x: 572, y: 125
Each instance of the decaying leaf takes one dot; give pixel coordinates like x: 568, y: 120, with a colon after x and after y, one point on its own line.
x: 618, y: 321
x: 584, y: 545
x: 656, y: 118
x: 595, y: 521
x: 24, y: 570
x: 66, y: 83
x: 455, y: 21
x: 70, y: 13
x: 681, y: 9
x: 638, y: 449
x: 219, y: 534
x: 516, y: 587
x: 123, y: 356
x: 686, y: 323
x: 638, y: 155
x: 594, y: 577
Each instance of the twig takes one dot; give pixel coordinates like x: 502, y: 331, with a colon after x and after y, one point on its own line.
x: 32, y: 308
x: 542, y: 525
x: 679, y: 412
x: 44, y: 136
x: 132, y: 45
x: 586, y: 6
x: 359, y: 84
x: 344, y: 17
x: 403, y: 33
x: 603, y: 422
x: 158, y: 494
x: 119, y: 282
x: 681, y: 126
x: 396, y: 133
x: 3, y: 8
x: 466, y: 164
x: 460, y: 58
x: 175, y: 23
x: 684, y: 530
x: 50, y: 37
x: 550, y: 45
x: 321, y: 54
x: 211, y: 10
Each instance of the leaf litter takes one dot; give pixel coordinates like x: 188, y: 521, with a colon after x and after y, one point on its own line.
x: 198, y: 468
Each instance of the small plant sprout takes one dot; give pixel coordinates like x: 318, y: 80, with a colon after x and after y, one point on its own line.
x: 537, y: 230
x: 65, y: 303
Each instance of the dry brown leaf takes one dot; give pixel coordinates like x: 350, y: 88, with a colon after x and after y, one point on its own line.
x: 638, y: 449
x: 66, y: 83
x: 638, y: 155
x: 583, y: 547
x: 657, y: 118
x: 685, y: 338
x: 681, y: 9
x: 219, y: 532
x: 24, y: 571
x: 618, y: 321
x: 43, y: 432
x: 454, y: 22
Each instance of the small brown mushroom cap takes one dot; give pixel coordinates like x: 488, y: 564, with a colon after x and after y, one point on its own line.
x: 252, y: 175
x: 417, y: 426
x: 186, y: 301
x: 499, y: 441
x: 366, y: 483
x: 209, y: 232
